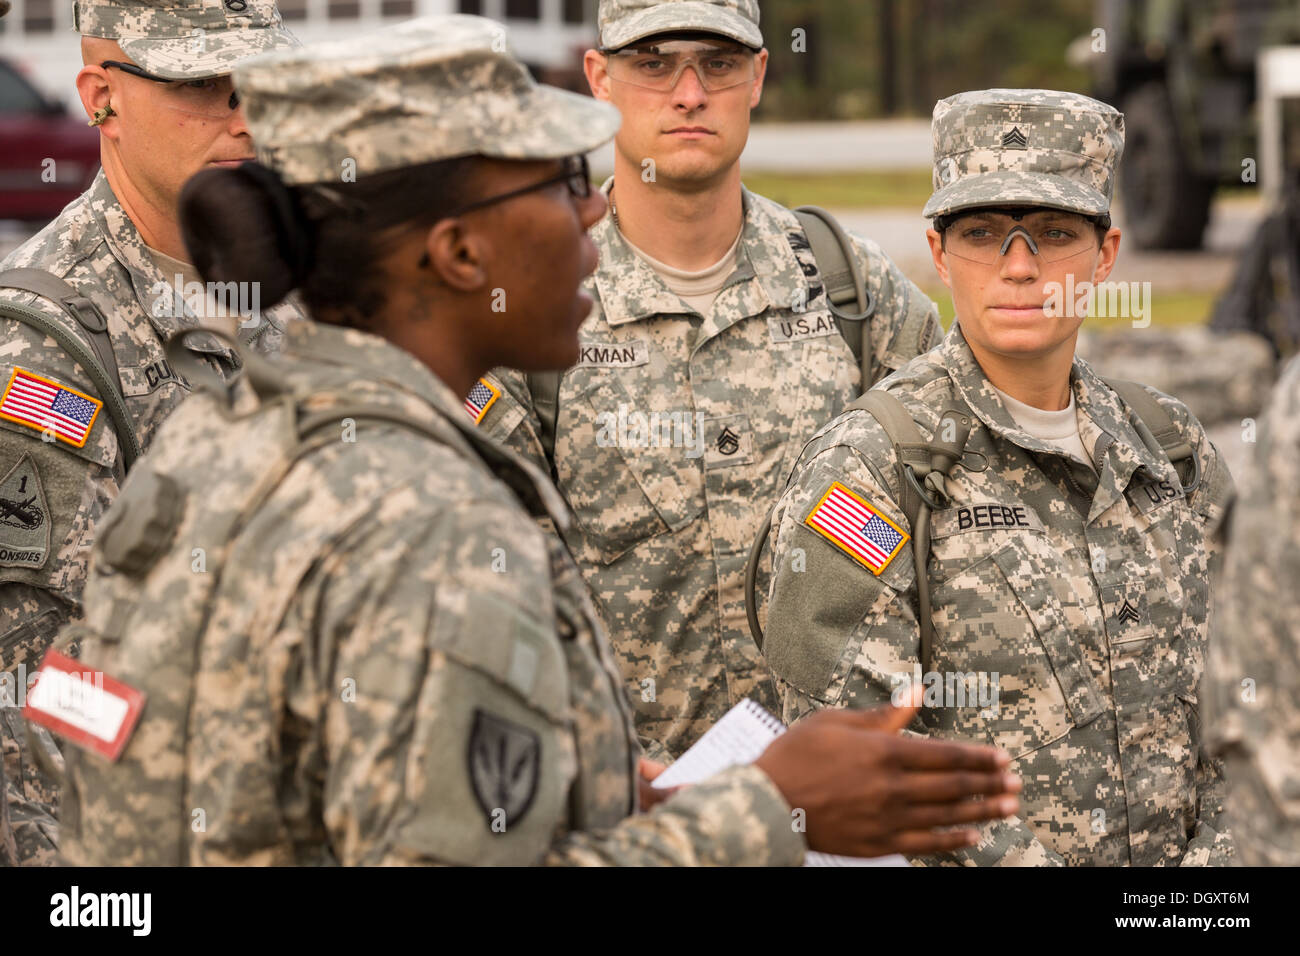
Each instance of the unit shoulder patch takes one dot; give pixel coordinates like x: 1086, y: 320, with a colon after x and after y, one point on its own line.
x: 504, y: 768
x: 24, y: 517
x: 853, y: 525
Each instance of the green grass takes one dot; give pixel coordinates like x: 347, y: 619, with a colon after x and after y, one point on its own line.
x: 1168, y: 310
x: 897, y: 188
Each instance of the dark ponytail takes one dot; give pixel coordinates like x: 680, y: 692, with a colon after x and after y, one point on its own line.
x: 246, y: 225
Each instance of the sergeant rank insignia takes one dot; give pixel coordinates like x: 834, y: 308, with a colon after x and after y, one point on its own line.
x: 480, y: 398
x: 856, y: 528
x: 49, y: 407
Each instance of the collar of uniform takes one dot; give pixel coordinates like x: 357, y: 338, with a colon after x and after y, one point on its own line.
x: 1126, y: 451
x: 628, y: 286
x: 128, y: 248
x: 387, y: 364
x: 768, y: 228
x: 630, y: 289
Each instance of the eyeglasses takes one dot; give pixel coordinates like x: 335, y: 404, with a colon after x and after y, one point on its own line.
x: 985, y: 237
x: 576, y: 175
x: 209, y: 96
x: 659, y: 66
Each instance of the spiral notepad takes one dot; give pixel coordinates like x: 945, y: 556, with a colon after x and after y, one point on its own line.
x: 741, y: 736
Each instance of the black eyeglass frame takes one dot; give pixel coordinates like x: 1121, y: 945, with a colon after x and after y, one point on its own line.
x: 581, y: 174
x: 571, y: 175
x: 146, y: 75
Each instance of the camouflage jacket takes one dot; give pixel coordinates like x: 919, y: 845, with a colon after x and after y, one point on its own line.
x: 1069, y: 610
x: 1252, y: 684
x: 674, y: 434
x: 64, y: 487
x: 396, y: 663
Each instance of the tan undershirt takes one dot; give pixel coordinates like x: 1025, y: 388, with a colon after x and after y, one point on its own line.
x: 696, y: 289
x: 170, y: 268
x: 1058, y: 429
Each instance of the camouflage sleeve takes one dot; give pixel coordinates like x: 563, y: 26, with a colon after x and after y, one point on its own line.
x: 1251, y: 690
x: 448, y: 721
x: 735, y: 818
x: 840, y: 635
x: 1212, y: 844
x: 906, y: 322
x: 52, y: 491
x: 512, y: 418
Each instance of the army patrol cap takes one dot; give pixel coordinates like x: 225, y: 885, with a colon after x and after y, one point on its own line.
x: 626, y: 21
x: 423, y: 90
x: 1024, y: 147
x: 185, y: 39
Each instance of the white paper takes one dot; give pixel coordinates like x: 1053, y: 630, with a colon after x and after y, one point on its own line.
x: 740, y: 737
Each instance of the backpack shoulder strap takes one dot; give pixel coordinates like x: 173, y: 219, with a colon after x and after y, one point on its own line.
x: 98, y: 360
x: 1157, y: 420
x: 843, y: 279
x: 919, y: 462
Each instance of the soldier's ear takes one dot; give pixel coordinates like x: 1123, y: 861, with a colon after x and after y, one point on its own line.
x: 760, y: 72
x: 938, y: 255
x: 594, y: 65
x: 94, y: 90
x: 1107, y: 255
x: 456, y: 255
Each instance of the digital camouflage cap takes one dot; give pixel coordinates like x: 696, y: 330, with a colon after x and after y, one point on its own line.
x: 417, y: 92
x: 185, y: 39
x: 1024, y: 147
x: 626, y: 21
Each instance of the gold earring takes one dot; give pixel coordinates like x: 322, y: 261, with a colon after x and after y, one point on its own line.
x: 98, y: 116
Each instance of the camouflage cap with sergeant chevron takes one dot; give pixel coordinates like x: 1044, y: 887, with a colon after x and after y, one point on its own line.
x: 419, y: 91
x: 1024, y: 147
x: 185, y: 39
x: 626, y: 21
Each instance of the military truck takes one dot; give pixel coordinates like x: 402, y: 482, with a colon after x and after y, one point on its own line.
x: 1183, y: 72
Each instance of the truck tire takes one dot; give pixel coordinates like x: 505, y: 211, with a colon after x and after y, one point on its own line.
x: 1166, y: 202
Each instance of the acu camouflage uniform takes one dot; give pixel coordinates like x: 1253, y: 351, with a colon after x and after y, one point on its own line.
x: 388, y: 626
x: 1069, y: 606
x: 387, y: 658
x: 95, y: 247
x: 661, y: 531
x: 1252, y: 686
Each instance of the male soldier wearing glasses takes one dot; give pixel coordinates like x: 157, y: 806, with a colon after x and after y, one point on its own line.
x: 709, y: 358
x: 156, y: 82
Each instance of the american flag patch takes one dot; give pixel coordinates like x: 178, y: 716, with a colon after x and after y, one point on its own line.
x: 480, y: 399
x: 43, y: 404
x: 852, y: 525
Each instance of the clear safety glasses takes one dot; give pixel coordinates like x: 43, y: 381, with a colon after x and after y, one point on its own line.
x: 658, y: 66
x: 212, y: 96
x: 987, y: 236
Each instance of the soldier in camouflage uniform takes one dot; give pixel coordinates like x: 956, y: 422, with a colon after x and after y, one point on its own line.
x: 383, y: 657
x: 118, y: 245
x: 711, y: 320
x: 1251, y: 693
x: 1067, y: 570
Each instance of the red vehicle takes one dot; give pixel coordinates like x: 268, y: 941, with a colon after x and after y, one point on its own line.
x: 47, y: 158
